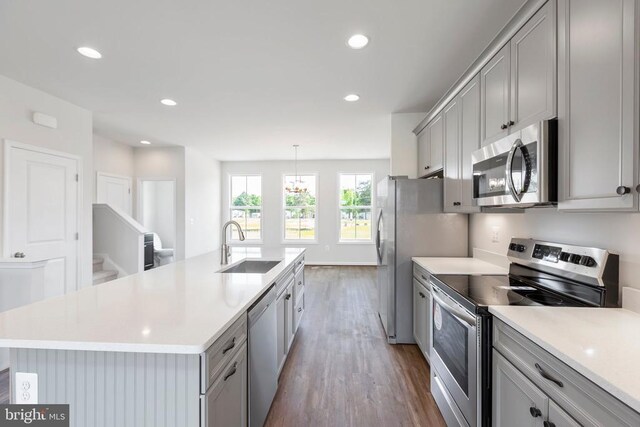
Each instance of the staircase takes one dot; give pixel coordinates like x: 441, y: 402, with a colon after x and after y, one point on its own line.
x: 100, y: 275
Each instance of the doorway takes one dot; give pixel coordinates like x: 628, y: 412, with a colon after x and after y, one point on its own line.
x: 157, y: 213
x: 41, y: 212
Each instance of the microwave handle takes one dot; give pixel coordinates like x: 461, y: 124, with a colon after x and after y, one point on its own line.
x: 512, y: 187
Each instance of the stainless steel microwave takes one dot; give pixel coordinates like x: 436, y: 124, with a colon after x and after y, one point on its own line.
x: 520, y: 169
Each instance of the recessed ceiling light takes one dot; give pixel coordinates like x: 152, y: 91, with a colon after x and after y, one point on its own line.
x: 145, y: 142
x: 352, y: 97
x: 358, y: 41
x: 168, y: 102
x: 89, y: 52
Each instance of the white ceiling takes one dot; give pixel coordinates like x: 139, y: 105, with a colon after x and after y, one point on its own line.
x: 251, y: 78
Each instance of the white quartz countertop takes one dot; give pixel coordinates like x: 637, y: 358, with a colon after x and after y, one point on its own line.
x: 179, y: 308
x: 460, y: 265
x: 602, y: 344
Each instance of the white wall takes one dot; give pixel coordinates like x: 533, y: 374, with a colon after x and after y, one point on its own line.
x: 168, y: 163
x: 202, y: 203
x: 112, y: 157
x: 619, y: 232
x: 73, y: 136
x: 327, y: 250
x: 404, y: 145
x: 159, y: 209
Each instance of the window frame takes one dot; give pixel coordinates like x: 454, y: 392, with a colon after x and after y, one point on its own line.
x: 231, y: 208
x: 370, y: 240
x: 284, y: 207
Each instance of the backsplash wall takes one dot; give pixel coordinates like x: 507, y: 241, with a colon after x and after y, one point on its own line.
x: 617, y: 232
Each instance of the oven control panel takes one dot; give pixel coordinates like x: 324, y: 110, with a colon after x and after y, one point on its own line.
x: 547, y: 253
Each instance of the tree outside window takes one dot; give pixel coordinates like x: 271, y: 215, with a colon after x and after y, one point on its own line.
x: 300, y: 207
x: 355, y: 207
x: 246, y: 205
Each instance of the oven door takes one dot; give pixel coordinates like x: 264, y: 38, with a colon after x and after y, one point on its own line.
x: 517, y: 170
x: 454, y: 352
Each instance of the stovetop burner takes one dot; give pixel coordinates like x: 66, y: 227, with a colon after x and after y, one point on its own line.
x: 482, y: 291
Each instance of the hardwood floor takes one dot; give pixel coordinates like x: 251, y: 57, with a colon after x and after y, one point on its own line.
x: 4, y: 386
x: 341, y: 371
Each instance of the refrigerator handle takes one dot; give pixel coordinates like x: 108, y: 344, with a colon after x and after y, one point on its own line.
x: 378, y: 240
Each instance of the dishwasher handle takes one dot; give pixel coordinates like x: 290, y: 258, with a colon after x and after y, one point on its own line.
x: 260, y: 306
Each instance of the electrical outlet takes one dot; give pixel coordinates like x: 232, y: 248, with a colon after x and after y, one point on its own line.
x: 495, y: 234
x: 26, y: 388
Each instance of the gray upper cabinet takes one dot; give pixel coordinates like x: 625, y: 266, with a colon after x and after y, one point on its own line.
x: 598, y: 104
x: 533, y: 70
x: 516, y: 400
x: 494, y: 83
x: 452, y: 187
x: 462, y: 138
x: 424, y: 153
x: 436, y: 143
x: 431, y: 147
x: 519, y: 83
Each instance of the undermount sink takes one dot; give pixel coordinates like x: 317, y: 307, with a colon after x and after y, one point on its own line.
x: 251, y: 266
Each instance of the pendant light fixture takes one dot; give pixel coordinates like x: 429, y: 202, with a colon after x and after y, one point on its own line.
x: 296, y: 187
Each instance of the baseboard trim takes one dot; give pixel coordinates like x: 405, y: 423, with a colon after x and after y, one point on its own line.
x: 342, y: 264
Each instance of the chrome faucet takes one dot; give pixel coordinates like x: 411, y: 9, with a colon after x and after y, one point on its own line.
x: 226, y: 249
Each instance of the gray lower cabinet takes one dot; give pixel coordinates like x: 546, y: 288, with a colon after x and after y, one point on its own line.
x: 225, y: 403
x: 421, y: 316
x: 422, y: 310
x: 598, y: 105
x: 559, y: 418
x: 516, y: 400
x: 281, y: 310
x: 525, y: 376
x: 289, y: 329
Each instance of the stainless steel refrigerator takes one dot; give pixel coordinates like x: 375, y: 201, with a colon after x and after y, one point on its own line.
x: 411, y: 223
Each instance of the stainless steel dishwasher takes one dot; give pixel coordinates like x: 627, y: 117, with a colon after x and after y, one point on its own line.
x: 263, y: 357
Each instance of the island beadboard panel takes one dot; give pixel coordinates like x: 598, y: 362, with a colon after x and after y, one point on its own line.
x: 107, y: 389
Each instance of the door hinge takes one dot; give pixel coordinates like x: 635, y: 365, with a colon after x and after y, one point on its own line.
x: 129, y: 191
x: 77, y: 236
x: 77, y: 177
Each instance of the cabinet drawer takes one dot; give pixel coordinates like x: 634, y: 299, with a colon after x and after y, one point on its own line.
x: 298, y: 287
x: 421, y: 276
x: 583, y: 400
x: 225, y: 402
x: 214, y: 360
x: 284, y: 281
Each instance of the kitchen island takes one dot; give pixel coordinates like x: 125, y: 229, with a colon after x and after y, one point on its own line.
x: 142, y: 350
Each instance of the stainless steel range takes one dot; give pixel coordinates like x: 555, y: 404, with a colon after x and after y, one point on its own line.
x: 541, y: 273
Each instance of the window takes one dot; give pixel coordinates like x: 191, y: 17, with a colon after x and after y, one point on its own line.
x: 246, y: 205
x: 299, y: 207
x: 355, y: 207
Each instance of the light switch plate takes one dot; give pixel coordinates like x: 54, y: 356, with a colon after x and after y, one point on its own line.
x: 26, y: 388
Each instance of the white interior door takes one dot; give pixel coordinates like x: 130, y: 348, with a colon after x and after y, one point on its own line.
x: 41, y: 213
x: 114, y: 190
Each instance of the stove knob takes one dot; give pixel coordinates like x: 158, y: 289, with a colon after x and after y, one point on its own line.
x: 575, y: 259
x: 521, y: 248
x: 588, y: 261
x: 564, y: 256
x: 513, y: 247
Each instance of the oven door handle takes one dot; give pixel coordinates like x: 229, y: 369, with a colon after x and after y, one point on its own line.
x: 512, y: 186
x: 455, y: 312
